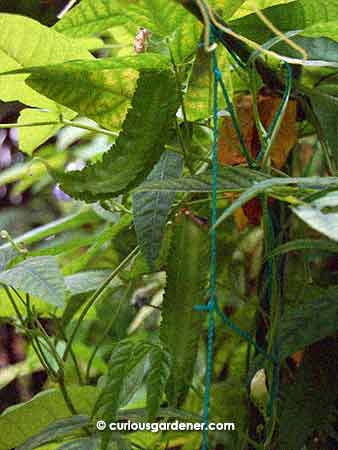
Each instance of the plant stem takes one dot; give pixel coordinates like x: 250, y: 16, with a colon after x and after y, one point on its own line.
x: 72, y: 354
x: 67, y: 399
x: 96, y: 295
x: 62, y: 121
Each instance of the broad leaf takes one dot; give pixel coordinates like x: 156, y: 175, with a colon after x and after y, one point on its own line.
x: 31, y: 138
x: 33, y: 45
x: 181, y: 325
x: 321, y: 215
x: 309, y: 322
x: 40, y: 277
x: 54, y: 431
x: 325, y: 108
x: 160, y: 364
x: 100, y: 89
x: 294, y: 15
x: 90, y: 17
x: 247, y: 9
x: 169, y: 23
x: 310, y: 401
x: 138, y: 146
x: 18, y: 423
x: 150, y: 209
x: 326, y: 29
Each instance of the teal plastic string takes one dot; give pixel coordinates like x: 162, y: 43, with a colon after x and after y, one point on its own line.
x: 212, y: 308
x: 212, y: 302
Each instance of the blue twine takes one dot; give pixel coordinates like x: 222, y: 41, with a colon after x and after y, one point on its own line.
x: 212, y: 308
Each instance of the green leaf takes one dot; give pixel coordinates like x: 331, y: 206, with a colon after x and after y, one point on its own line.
x: 230, y: 179
x: 18, y: 423
x: 85, y: 216
x: 125, y: 358
x: 310, y: 401
x: 90, y: 17
x: 33, y: 45
x: 226, y: 8
x: 198, y: 100
x: 323, y: 29
x: 304, y: 244
x: 40, y: 277
x: 317, y: 183
x: 181, y: 327
x: 247, y: 9
x: 100, y: 89
x: 169, y: 23
x: 321, y: 214
x: 309, y: 322
x: 88, y: 281
x: 138, y: 146
x: 54, y: 431
x: 321, y: 51
x: 151, y: 209
x: 108, y: 234
x: 160, y: 363
x: 325, y: 108
x: 81, y: 444
x: 31, y: 138
x: 296, y: 15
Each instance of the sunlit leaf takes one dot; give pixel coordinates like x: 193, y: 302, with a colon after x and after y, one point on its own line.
x: 40, y: 277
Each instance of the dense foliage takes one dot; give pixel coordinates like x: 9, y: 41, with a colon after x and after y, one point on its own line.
x: 105, y: 190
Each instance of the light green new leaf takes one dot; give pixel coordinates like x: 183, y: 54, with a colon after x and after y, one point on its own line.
x: 323, y: 29
x: 18, y: 423
x: 150, y: 209
x: 198, y: 100
x: 55, y: 430
x: 31, y: 138
x: 138, y: 146
x: 34, y: 44
x: 246, y: 7
x: 166, y: 20
x: 40, y: 277
x: 226, y: 8
x: 90, y: 17
x: 321, y: 215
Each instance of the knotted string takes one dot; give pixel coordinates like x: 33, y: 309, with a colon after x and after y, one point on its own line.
x: 212, y: 308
